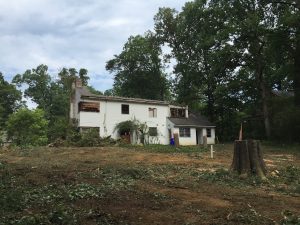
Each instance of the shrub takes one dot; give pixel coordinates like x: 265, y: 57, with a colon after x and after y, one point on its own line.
x: 27, y: 128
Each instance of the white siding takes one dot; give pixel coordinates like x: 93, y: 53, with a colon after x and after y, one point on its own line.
x: 187, y: 140
x: 210, y: 140
x: 89, y: 119
x: 110, y: 115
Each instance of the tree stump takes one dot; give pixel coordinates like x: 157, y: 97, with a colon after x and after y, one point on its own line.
x: 248, y: 159
x: 176, y: 139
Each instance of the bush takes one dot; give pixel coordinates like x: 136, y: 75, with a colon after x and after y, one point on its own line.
x: 27, y: 128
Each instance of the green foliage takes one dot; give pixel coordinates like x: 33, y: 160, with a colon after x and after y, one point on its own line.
x: 27, y: 128
x: 289, y: 218
x: 230, y: 55
x: 139, y: 70
x: 287, y: 124
x: 127, y: 126
x: 89, y: 138
x: 10, y: 100
x: 169, y: 149
x: 53, y: 96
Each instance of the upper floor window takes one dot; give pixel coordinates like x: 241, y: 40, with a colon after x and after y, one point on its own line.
x: 184, y: 132
x: 125, y: 109
x: 177, y: 112
x: 208, y: 132
x: 152, y: 112
x: 88, y: 107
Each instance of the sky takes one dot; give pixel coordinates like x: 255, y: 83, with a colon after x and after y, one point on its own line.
x: 71, y: 33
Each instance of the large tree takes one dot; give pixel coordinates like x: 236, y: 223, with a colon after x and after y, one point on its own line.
x: 139, y: 70
x: 226, y: 54
x: 10, y: 100
x: 52, y: 96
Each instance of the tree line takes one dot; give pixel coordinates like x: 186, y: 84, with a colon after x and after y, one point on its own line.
x: 50, y: 120
x: 234, y: 61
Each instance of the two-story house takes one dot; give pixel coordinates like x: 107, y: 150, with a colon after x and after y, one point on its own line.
x: 163, y: 119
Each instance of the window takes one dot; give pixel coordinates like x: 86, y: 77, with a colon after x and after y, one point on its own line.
x: 184, y: 132
x: 177, y: 112
x: 88, y: 107
x: 208, y: 132
x: 152, y: 112
x: 125, y: 109
x: 152, y: 131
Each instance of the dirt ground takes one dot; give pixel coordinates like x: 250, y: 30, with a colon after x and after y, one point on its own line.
x: 114, y: 185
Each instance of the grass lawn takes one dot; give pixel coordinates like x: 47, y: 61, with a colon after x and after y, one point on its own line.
x: 146, y: 185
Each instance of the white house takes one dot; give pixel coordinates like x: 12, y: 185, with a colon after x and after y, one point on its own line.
x: 163, y: 119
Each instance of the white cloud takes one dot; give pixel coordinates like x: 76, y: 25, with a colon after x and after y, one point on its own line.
x: 71, y: 33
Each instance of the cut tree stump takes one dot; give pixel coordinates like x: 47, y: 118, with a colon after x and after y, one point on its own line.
x: 248, y: 159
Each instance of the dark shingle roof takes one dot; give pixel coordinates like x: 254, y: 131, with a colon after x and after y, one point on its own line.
x: 194, y: 120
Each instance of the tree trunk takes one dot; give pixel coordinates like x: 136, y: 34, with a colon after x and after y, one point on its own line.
x: 248, y: 159
x: 264, y: 92
x: 297, y: 71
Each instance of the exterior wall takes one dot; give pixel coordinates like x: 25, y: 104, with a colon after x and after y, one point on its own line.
x: 89, y: 119
x: 210, y: 140
x: 110, y: 115
x: 187, y: 140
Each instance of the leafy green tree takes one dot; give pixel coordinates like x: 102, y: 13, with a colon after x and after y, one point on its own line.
x: 206, y: 60
x: 27, y: 127
x: 287, y: 41
x: 139, y: 69
x: 109, y: 92
x: 52, y: 96
x: 231, y: 48
x: 10, y: 100
x: 38, y: 85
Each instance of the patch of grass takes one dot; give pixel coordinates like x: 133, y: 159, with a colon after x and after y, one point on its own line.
x: 168, y: 148
x: 232, y: 179
x: 287, y: 180
x: 289, y: 218
x: 281, y: 147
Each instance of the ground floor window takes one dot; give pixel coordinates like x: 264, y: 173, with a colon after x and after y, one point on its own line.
x: 208, y: 132
x: 152, y: 131
x: 184, y: 132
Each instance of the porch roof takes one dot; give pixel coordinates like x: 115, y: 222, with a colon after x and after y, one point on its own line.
x: 194, y: 120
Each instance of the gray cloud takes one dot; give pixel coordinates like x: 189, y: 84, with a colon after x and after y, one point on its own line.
x: 71, y: 33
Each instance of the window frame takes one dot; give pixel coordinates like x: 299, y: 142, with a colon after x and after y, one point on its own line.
x: 123, y: 111
x: 183, y: 132
x: 152, y: 112
x: 208, y: 132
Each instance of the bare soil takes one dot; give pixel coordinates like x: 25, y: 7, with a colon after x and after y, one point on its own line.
x: 147, y: 187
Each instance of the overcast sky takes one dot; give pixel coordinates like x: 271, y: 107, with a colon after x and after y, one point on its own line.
x: 71, y: 33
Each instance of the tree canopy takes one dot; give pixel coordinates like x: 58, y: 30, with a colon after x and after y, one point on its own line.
x: 10, y: 100
x: 138, y: 69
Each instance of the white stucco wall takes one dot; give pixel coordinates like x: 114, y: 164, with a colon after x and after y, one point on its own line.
x: 110, y: 115
x: 210, y: 140
x: 187, y: 140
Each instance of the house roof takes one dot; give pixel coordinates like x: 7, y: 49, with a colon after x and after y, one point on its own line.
x: 86, y: 94
x: 194, y: 120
